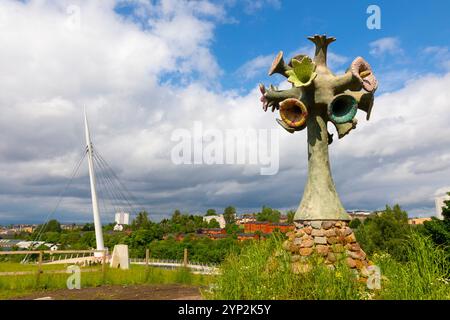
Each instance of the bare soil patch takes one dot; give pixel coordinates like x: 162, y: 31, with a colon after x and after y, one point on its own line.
x: 117, y: 292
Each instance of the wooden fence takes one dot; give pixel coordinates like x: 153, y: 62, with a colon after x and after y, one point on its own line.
x: 41, y: 253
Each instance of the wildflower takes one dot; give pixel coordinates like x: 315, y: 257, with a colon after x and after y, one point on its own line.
x: 445, y: 281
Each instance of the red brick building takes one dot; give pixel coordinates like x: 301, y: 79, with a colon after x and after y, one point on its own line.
x: 212, y: 231
x: 247, y: 236
x: 267, y: 227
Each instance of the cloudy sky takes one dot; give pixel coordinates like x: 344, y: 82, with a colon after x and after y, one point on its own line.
x: 145, y: 69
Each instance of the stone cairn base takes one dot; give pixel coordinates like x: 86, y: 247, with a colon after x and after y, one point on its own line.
x: 331, y: 240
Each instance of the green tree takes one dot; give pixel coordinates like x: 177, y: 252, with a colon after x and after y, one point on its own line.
x: 446, y: 209
x: 213, y: 223
x: 51, y: 237
x: 109, y: 227
x: 229, y: 214
x: 355, y: 223
x: 211, y: 212
x: 140, y: 238
x: 232, y: 229
x: 88, y: 227
x: 386, y: 231
x: 176, y: 216
x: 51, y: 226
x: 290, y: 216
x: 141, y: 221
x: 87, y: 240
x: 439, y: 230
x: 268, y: 214
x: 68, y: 240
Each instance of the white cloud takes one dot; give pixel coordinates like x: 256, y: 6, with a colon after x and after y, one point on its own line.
x: 441, y: 55
x: 255, y: 67
x: 405, y: 143
x: 253, y: 6
x: 336, y: 60
x: 49, y: 71
x: 393, y: 80
x: 383, y: 46
x: 115, y: 67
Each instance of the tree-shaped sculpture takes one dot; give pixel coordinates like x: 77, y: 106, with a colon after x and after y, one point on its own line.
x: 316, y: 97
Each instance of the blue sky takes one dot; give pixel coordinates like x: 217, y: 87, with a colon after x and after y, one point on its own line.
x: 248, y: 32
x: 147, y: 68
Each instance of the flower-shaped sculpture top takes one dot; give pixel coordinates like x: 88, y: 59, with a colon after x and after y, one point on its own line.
x: 318, y: 96
x: 302, y: 73
x: 363, y: 72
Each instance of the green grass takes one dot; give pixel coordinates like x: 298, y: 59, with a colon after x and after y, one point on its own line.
x: 263, y: 271
x: 14, y: 286
x: 18, y: 267
x: 424, y: 276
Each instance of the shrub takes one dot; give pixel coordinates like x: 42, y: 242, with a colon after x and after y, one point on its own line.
x: 263, y: 271
x: 423, y: 276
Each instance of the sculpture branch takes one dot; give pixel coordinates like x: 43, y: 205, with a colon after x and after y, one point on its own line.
x: 321, y: 42
x: 273, y: 97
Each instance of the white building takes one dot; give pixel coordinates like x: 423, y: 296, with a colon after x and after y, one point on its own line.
x: 32, y: 245
x: 439, y: 201
x: 122, y: 218
x: 219, y: 218
x: 118, y: 227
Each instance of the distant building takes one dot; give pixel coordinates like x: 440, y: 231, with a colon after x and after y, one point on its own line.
x: 217, y: 236
x: 54, y: 247
x: 69, y: 227
x: 8, y: 243
x: 7, y: 232
x: 247, y: 236
x: 245, y: 218
x: 27, y: 245
x: 267, y: 227
x: 439, y: 201
x: 219, y: 218
x: 212, y: 231
x: 418, y: 220
x: 19, y: 228
x: 359, y: 214
x: 118, y: 227
x: 122, y: 218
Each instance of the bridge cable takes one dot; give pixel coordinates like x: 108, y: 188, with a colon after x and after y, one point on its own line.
x: 60, y: 197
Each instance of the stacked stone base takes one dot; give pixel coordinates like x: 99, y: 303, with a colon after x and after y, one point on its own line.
x: 332, y: 241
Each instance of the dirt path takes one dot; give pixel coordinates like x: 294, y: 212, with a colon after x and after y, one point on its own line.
x: 132, y: 292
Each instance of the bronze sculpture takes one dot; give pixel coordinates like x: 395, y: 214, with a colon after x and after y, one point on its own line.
x: 316, y: 97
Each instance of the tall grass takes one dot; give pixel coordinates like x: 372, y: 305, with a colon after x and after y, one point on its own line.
x: 425, y: 275
x: 263, y: 271
x: 18, y: 267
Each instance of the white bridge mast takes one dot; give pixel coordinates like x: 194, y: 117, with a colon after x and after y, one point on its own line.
x: 97, y: 222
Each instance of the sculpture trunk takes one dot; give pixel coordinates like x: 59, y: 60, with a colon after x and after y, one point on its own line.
x: 320, y: 200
